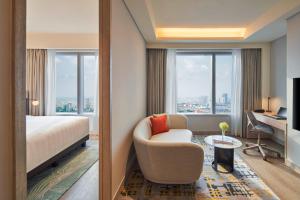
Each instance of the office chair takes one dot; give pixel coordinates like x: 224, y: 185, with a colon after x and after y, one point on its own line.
x: 258, y: 128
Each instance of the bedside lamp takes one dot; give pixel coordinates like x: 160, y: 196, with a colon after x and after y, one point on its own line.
x: 35, y: 102
x: 269, y: 98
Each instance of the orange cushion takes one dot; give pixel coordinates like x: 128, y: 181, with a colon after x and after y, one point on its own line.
x: 159, y: 124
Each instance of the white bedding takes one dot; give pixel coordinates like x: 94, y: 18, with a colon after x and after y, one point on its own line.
x: 46, y: 136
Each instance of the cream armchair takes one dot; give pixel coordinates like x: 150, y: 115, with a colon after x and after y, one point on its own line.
x: 171, y: 157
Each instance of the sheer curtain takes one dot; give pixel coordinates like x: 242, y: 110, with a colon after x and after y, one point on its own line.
x: 94, y: 119
x: 236, y: 98
x: 171, y: 82
x: 50, y: 86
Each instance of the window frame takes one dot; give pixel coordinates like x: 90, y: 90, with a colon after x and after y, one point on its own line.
x: 213, y: 53
x: 80, y: 80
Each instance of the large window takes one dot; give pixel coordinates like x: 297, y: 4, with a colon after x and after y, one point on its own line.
x: 204, y: 82
x: 76, y: 82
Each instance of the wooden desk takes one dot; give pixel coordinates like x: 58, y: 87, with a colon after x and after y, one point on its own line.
x: 275, y: 123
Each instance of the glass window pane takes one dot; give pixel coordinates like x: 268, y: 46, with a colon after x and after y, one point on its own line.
x: 90, y: 83
x: 194, y: 83
x: 223, y: 83
x: 66, y: 83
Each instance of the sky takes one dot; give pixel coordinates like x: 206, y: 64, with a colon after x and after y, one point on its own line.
x: 194, y: 75
x: 66, y: 76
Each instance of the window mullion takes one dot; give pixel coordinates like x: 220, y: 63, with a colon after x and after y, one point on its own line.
x: 213, y: 83
x: 80, y: 83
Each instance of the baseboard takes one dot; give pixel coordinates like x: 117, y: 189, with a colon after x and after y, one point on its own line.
x: 292, y: 165
x: 130, y: 165
x: 119, y: 189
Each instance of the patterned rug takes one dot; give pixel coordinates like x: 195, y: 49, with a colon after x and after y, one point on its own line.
x: 52, y: 183
x: 242, y: 184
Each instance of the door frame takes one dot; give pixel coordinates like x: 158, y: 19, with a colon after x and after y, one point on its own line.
x: 19, y: 99
x: 105, y: 165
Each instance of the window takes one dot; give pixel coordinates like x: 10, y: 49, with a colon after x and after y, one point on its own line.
x: 203, y: 82
x: 76, y: 82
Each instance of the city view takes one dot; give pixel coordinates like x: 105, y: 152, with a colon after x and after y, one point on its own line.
x: 69, y: 105
x: 202, y: 104
x: 195, y: 83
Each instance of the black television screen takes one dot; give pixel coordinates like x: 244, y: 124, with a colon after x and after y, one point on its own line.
x: 296, y: 104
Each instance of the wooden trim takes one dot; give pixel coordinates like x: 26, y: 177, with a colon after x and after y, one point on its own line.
x: 19, y: 97
x: 105, y: 174
x: 58, y: 156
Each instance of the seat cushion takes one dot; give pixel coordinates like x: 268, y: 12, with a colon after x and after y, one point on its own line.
x: 264, y: 128
x: 173, y: 135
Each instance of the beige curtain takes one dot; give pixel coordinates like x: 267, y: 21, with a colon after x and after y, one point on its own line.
x: 36, y: 60
x: 252, y: 97
x: 156, y: 79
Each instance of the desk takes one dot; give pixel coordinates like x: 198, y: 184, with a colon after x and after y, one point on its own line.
x: 278, y: 124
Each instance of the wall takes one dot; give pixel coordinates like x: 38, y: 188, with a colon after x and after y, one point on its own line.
x: 278, y: 80
x: 128, y: 87
x: 62, y: 41
x: 293, y: 70
x: 209, y: 123
x: 278, y: 71
x: 6, y: 132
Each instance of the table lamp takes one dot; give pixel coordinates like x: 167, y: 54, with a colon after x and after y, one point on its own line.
x: 269, y: 99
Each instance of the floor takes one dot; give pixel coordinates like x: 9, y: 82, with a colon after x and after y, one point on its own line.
x: 86, y: 187
x: 282, y: 180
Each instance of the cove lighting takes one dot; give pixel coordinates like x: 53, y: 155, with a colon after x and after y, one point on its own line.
x: 200, y: 33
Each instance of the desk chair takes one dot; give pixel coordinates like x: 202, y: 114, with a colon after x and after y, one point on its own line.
x: 258, y: 128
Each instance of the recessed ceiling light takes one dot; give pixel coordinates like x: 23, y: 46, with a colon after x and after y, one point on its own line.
x: 200, y: 33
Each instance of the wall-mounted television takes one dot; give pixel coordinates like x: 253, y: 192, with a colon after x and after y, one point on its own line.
x: 296, y: 104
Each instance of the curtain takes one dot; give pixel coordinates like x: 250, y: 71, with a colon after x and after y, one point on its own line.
x: 50, y: 86
x: 171, y: 82
x: 156, y: 78
x: 236, y: 94
x: 94, y: 119
x: 35, y: 69
x: 252, y: 97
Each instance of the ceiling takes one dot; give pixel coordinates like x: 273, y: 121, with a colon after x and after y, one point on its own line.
x: 206, y: 13
x: 62, y: 16
x: 260, y: 20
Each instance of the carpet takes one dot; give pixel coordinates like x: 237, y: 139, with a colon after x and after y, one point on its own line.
x: 242, y: 184
x: 53, y: 182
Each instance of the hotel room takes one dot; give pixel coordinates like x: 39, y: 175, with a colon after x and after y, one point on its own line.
x: 61, y: 95
x: 150, y: 99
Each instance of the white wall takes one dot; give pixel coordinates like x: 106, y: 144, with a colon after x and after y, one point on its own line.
x: 206, y: 123
x: 128, y: 87
x: 278, y: 80
x: 293, y: 70
x: 278, y: 73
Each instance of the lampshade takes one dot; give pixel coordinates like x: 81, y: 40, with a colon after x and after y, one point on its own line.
x: 35, y: 102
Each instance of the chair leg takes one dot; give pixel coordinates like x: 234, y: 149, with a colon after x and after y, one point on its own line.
x: 254, y: 146
x: 272, y: 150
x: 262, y: 152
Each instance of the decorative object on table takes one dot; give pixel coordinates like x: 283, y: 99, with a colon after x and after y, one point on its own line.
x: 269, y: 99
x: 224, y: 127
x: 223, y: 151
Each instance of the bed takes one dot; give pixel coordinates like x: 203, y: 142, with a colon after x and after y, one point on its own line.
x: 47, y: 137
